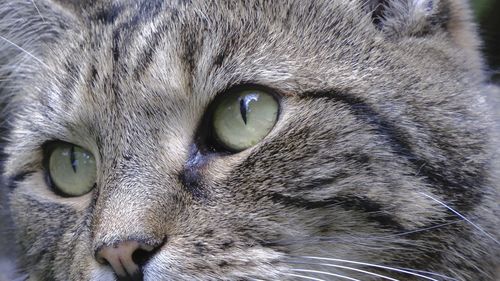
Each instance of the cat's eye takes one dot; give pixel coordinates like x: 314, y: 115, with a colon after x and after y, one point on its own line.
x: 72, y: 169
x: 243, y: 118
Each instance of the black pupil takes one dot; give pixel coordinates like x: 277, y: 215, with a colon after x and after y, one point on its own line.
x: 243, y: 109
x: 72, y: 158
x: 245, y: 103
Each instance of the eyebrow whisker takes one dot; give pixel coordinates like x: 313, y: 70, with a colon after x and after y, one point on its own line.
x: 36, y: 7
x: 25, y: 51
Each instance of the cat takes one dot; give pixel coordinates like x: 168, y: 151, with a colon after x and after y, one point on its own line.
x: 247, y: 140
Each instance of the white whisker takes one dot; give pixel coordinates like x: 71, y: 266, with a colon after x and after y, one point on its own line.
x: 36, y: 7
x: 325, y: 273
x: 304, y: 277
x: 326, y: 239
x: 372, y: 265
x: 430, y: 273
x: 420, y: 230
x: 349, y: 268
x: 461, y: 216
x: 24, y: 51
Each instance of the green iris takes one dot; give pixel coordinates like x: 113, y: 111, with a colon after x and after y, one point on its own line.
x: 72, y: 169
x: 243, y: 119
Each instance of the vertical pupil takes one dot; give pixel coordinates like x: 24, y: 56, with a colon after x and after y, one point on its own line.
x: 245, y: 103
x: 243, y: 109
x: 72, y: 158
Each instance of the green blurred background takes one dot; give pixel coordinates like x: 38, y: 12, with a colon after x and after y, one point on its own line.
x: 488, y: 16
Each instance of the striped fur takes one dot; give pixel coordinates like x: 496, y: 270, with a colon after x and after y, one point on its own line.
x: 382, y: 118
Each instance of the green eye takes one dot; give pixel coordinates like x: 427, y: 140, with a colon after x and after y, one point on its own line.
x: 243, y: 119
x: 72, y: 169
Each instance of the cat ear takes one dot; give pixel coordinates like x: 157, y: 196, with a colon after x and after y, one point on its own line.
x: 419, y: 18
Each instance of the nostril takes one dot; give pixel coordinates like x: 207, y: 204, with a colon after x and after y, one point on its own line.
x: 141, y: 257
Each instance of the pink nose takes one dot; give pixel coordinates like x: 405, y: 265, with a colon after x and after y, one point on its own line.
x: 125, y: 257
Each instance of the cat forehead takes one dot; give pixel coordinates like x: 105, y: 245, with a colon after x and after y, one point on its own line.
x: 167, y: 50
x: 175, y: 57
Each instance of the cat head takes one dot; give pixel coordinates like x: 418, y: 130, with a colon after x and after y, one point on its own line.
x: 372, y: 113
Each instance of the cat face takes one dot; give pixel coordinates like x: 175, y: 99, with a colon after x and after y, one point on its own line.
x: 375, y: 119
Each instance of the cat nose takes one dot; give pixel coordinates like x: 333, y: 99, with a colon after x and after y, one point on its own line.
x: 126, y: 258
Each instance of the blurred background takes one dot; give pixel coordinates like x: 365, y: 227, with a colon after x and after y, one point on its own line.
x: 487, y: 13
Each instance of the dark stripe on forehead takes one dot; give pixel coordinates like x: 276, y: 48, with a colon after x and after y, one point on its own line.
x: 107, y: 15
x: 191, y: 45
x: 69, y: 83
x: 4, y: 129
x: 117, y: 68
x: 146, y: 56
x: 123, y: 32
x: 148, y: 10
x: 117, y: 34
x: 458, y: 185
x: 154, y: 40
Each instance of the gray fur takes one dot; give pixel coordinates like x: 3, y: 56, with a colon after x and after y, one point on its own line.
x: 380, y: 107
